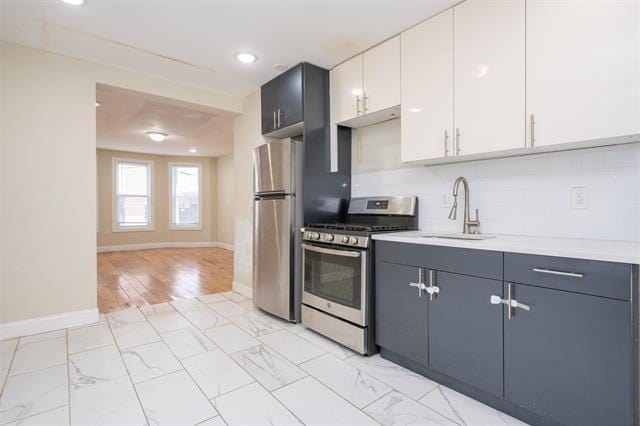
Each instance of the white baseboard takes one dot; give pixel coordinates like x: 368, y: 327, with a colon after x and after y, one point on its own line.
x: 144, y: 246
x: 48, y: 323
x: 243, y: 289
x: 225, y: 246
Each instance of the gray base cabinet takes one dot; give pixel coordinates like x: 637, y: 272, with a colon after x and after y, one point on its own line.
x: 405, y: 320
x: 465, y: 331
x: 569, y: 357
x: 548, y: 340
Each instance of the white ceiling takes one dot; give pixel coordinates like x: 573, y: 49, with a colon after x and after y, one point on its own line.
x: 124, y: 117
x: 194, y: 41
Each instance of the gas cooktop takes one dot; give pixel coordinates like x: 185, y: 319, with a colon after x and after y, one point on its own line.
x: 359, y: 227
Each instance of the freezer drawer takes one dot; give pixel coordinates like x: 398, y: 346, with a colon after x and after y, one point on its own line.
x: 273, y: 239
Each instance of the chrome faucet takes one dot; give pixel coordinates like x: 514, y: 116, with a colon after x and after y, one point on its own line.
x: 470, y: 226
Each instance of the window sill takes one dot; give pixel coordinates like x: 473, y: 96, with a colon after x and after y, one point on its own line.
x: 185, y: 227
x: 134, y: 229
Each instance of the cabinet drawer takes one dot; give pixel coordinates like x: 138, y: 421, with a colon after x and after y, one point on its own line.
x: 479, y: 263
x: 577, y: 275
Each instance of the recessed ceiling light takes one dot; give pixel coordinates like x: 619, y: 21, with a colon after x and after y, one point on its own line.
x: 193, y: 150
x: 246, y: 58
x: 97, y: 104
x: 74, y: 2
x: 280, y: 67
x: 157, y: 136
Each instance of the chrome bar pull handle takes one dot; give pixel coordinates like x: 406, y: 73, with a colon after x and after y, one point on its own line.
x: 457, y: 141
x: 532, y: 123
x: 432, y: 289
x: 561, y: 273
x: 274, y: 119
x: 279, y: 118
x: 509, y: 298
x: 365, y: 98
x: 358, y: 112
x: 446, y: 143
x: 419, y: 284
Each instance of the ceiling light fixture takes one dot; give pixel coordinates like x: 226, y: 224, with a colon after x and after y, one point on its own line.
x: 97, y: 104
x: 157, y: 136
x: 193, y: 150
x: 246, y: 57
x: 74, y: 2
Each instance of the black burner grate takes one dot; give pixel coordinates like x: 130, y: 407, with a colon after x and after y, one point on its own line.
x: 359, y: 227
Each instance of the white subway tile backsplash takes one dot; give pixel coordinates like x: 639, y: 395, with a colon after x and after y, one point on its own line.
x: 528, y: 195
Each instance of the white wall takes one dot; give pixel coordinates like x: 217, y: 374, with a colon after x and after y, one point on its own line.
x: 246, y: 136
x: 521, y: 195
x: 48, y: 175
x: 225, y: 200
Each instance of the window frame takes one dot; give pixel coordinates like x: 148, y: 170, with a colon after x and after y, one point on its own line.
x: 186, y: 227
x: 115, y: 161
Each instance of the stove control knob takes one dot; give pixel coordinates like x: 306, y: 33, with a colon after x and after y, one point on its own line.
x: 353, y: 241
x: 345, y: 239
x: 328, y: 237
x: 315, y: 236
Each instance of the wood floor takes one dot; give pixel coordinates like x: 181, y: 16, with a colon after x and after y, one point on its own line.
x: 145, y: 277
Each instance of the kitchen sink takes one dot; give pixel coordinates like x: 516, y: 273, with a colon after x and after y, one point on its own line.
x: 455, y: 236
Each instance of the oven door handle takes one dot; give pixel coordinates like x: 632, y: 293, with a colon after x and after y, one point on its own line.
x: 344, y: 253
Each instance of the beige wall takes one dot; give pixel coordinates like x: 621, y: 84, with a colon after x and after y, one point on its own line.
x: 225, y: 204
x: 48, y: 175
x: 246, y: 136
x: 161, y: 200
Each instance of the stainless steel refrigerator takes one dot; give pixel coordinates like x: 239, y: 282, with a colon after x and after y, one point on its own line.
x: 277, y: 219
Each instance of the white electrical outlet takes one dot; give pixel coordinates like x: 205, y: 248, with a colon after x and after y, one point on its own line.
x: 579, y: 197
x: 445, y: 200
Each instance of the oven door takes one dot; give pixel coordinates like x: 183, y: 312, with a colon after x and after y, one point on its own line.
x: 335, y: 281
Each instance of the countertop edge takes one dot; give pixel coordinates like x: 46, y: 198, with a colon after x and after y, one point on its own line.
x: 509, y: 247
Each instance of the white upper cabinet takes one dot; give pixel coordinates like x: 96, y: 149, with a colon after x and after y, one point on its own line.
x: 427, y: 89
x: 489, y: 76
x: 346, y: 90
x: 366, y: 89
x: 382, y: 76
x: 583, y: 70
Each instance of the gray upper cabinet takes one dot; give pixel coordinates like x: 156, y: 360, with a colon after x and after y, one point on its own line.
x: 568, y: 358
x: 401, y: 314
x: 281, y: 101
x: 465, y: 330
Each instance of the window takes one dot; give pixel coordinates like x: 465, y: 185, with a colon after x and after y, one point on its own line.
x: 186, y: 196
x: 132, y: 204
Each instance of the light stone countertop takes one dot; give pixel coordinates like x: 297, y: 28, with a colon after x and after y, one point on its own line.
x: 609, y: 251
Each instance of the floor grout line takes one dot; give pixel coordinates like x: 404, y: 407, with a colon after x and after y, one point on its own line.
x: 68, y: 375
x: 184, y: 368
x: 135, y: 391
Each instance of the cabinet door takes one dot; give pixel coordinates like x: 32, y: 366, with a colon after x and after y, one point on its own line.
x: 346, y: 90
x: 381, y: 71
x: 269, y: 105
x: 290, y: 97
x: 400, y: 314
x: 569, y: 357
x: 583, y: 69
x: 465, y: 330
x: 489, y: 76
x: 427, y: 89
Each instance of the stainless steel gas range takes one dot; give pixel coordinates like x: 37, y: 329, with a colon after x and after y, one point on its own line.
x: 337, y: 263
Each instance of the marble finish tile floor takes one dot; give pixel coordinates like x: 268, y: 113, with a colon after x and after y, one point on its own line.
x: 214, y: 360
